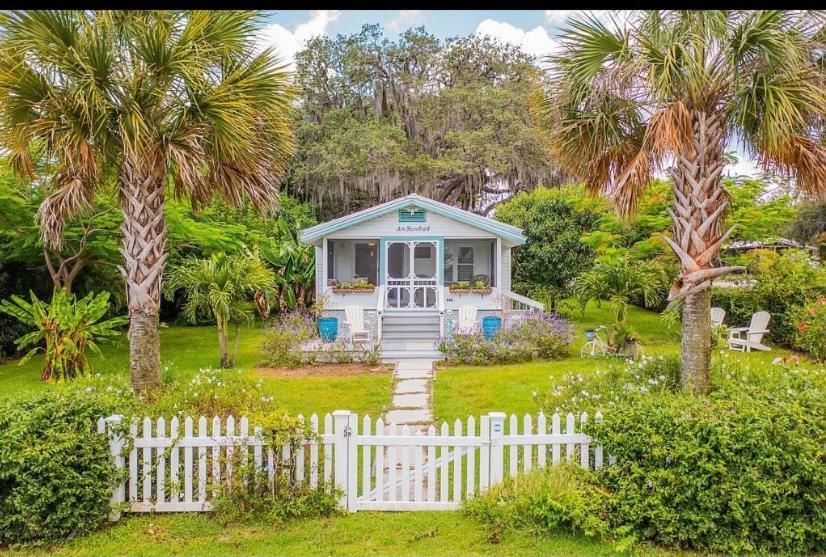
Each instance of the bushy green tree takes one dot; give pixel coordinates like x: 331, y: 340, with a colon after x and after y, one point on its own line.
x: 447, y: 119
x: 554, y: 221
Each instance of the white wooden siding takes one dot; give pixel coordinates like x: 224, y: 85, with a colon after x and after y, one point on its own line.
x: 389, y: 226
x: 506, y: 268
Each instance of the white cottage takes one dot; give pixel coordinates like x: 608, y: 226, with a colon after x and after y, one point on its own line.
x: 410, y: 265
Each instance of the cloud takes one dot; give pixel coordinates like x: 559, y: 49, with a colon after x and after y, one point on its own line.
x: 287, y: 43
x: 405, y: 19
x: 535, y: 42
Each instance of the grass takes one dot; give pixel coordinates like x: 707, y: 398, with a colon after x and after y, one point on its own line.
x: 396, y: 534
x: 185, y: 350
x: 463, y: 391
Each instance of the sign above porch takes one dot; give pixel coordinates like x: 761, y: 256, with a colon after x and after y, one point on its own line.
x: 412, y: 214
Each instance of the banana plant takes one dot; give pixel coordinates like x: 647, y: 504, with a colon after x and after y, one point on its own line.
x: 64, y: 330
x: 295, y: 266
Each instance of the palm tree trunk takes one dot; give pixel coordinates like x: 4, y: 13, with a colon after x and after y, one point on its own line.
x: 235, y: 349
x: 144, y: 239
x: 695, y: 345
x: 699, y: 206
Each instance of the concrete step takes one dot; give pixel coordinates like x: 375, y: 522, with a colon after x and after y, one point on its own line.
x: 396, y: 355
x: 395, y: 334
x: 405, y: 344
x: 410, y: 322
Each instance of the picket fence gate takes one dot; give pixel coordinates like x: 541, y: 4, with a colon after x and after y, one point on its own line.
x: 376, y: 467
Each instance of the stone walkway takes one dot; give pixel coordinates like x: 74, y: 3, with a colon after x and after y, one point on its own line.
x: 412, y: 397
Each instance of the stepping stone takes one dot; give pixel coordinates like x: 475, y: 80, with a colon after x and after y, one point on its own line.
x: 418, y: 400
x: 403, y: 417
x: 414, y: 374
x: 406, y: 365
x: 408, y: 386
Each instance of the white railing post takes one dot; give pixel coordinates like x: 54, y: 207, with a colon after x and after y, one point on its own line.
x: 497, y: 432
x: 343, y: 429
x: 116, y: 444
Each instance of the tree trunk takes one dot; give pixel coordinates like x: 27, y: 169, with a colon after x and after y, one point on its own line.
x: 223, y: 344
x: 699, y: 206
x: 235, y: 349
x: 695, y: 345
x: 144, y: 239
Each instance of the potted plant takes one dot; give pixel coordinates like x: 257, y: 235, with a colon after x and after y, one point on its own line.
x: 625, y: 341
x: 327, y: 326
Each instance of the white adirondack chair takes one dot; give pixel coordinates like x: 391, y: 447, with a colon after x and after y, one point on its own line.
x: 717, y: 316
x: 355, y: 319
x: 467, y: 320
x: 744, y: 339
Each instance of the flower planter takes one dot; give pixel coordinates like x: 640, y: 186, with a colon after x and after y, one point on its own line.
x: 328, y: 328
x: 490, y: 326
x: 478, y: 291
x: 354, y: 290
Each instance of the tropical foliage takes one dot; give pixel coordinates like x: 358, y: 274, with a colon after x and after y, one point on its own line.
x: 142, y: 99
x: 626, y: 98
x: 447, y: 119
x: 228, y: 287
x: 64, y: 330
x: 621, y: 281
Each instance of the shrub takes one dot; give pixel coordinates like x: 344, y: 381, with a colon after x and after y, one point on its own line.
x: 536, y: 335
x: 739, y: 470
x: 282, y: 501
x: 809, y: 324
x: 67, y: 326
x: 56, y: 473
x: 563, y: 498
x: 283, y: 338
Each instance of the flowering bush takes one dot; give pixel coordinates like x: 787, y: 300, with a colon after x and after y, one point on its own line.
x: 284, y: 336
x: 809, y: 323
x: 536, y: 335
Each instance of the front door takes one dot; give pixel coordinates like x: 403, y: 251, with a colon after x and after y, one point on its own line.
x: 412, y: 274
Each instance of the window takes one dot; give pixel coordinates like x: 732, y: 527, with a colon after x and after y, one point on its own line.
x: 367, y: 262
x: 331, y: 258
x: 412, y: 214
x: 449, y: 258
x: 464, y: 267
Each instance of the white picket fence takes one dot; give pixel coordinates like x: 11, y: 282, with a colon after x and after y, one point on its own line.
x: 380, y: 467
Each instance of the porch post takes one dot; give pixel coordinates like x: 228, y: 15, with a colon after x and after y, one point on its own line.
x: 323, y: 288
x: 499, y: 272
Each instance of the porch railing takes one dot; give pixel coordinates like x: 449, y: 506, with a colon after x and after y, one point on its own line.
x: 380, y: 311
x: 522, y: 303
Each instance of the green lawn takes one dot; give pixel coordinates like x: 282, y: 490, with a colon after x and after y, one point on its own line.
x: 185, y: 350
x: 463, y: 391
x: 393, y: 534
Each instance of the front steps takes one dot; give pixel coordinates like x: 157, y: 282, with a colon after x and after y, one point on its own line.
x: 410, y: 335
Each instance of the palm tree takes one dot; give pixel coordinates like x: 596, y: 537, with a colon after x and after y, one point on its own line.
x: 674, y: 88
x: 157, y: 102
x: 620, y: 281
x: 222, y: 286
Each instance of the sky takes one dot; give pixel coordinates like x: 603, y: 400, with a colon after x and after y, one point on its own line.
x: 536, y: 31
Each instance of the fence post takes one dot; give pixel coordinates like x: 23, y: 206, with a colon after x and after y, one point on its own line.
x: 116, y: 443
x: 341, y: 458
x: 352, y: 463
x: 497, y: 461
